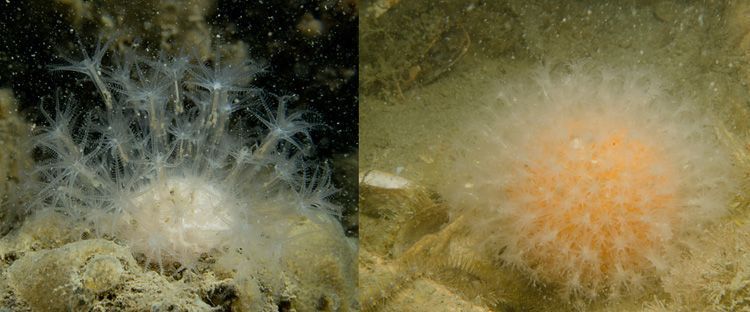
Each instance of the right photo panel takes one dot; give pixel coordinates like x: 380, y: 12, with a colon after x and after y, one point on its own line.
x: 548, y: 155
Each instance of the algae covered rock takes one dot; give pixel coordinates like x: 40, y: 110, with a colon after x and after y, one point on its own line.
x: 56, y: 279
x: 320, y: 256
x: 102, y: 273
x: 97, y: 275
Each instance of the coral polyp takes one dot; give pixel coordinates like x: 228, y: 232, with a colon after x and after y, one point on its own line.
x: 590, y: 181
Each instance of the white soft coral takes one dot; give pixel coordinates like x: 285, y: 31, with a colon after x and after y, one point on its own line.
x: 180, y: 219
x: 160, y: 168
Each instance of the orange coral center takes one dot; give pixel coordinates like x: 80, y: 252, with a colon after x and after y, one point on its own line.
x: 598, y: 197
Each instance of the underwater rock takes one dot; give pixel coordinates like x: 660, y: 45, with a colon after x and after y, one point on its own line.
x: 401, y: 210
x: 58, y: 279
x: 321, y: 270
x: 102, y: 273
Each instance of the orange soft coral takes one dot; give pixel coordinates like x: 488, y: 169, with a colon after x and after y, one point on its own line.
x: 589, y: 180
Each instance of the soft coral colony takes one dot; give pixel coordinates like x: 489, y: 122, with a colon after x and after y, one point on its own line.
x: 170, y: 166
x: 593, y: 181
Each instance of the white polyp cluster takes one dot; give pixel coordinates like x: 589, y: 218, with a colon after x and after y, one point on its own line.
x: 193, y: 217
x: 172, y: 164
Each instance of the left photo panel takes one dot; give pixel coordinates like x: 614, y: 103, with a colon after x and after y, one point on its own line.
x: 178, y: 156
